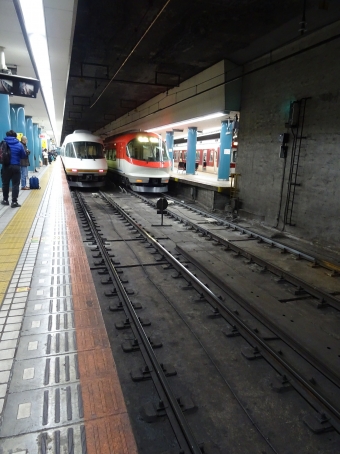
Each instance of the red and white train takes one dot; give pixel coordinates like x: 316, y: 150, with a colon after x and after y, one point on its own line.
x: 138, y: 160
x: 207, y: 155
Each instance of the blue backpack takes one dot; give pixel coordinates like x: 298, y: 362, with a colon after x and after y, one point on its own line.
x: 34, y: 183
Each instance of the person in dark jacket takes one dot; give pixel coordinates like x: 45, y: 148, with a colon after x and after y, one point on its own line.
x: 12, y: 171
x: 24, y: 163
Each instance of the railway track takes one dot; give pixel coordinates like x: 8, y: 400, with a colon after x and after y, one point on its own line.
x: 237, y: 320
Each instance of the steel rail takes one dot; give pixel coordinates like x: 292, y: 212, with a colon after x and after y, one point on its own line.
x: 302, y: 385
x: 235, y: 227
x: 187, y: 443
x: 324, y: 298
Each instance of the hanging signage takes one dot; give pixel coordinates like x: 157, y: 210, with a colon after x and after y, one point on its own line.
x: 18, y: 86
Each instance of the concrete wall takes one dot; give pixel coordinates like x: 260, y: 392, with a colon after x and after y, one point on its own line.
x: 313, y: 72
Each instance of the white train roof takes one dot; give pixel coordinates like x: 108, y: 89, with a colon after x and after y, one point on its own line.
x: 80, y: 135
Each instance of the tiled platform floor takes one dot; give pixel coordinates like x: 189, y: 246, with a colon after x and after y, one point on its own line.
x: 59, y: 391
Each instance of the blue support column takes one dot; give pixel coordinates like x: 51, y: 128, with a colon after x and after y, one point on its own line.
x: 30, y: 142
x: 39, y: 147
x: 191, y: 151
x: 14, y: 118
x: 18, y: 119
x: 5, y: 119
x: 225, y: 150
x: 169, y: 137
x: 21, y: 122
x: 37, y: 150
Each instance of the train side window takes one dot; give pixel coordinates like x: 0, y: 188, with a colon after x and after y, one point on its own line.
x: 212, y: 156
x: 113, y: 154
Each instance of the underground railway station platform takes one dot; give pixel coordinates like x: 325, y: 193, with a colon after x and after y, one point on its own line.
x: 202, y: 179
x: 203, y: 187
x: 59, y: 389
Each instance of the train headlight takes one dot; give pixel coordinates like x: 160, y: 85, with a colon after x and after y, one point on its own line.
x: 143, y: 139
x: 101, y: 171
x: 74, y: 170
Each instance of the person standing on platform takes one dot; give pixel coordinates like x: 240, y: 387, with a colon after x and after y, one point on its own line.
x: 45, y: 156
x: 12, y: 171
x: 24, y: 163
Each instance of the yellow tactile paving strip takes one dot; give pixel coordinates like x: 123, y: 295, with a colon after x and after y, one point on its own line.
x: 14, y: 236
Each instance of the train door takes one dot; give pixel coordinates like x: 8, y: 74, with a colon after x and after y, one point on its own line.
x: 120, y: 157
x: 204, y: 164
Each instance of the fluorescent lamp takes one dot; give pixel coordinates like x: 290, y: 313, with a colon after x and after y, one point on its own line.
x: 186, y: 122
x: 205, y: 131
x: 34, y: 21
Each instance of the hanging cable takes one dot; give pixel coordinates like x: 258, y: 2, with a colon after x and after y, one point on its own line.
x: 303, y: 23
x: 132, y: 51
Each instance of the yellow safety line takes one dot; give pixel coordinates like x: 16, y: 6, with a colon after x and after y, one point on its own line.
x: 14, y: 236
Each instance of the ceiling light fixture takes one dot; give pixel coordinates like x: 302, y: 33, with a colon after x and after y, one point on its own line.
x: 211, y: 130
x: 34, y: 23
x: 186, y: 122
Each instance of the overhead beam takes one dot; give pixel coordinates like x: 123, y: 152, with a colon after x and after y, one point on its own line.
x: 121, y: 81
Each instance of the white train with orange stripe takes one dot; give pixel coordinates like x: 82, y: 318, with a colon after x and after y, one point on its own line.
x: 83, y: 158
x: 138, y: 160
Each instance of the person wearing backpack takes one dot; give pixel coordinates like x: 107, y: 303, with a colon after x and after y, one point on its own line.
x: 11, y: 172
x: 24, y: 163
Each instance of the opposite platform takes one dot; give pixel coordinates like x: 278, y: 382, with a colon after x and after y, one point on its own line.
x: 59, y: 386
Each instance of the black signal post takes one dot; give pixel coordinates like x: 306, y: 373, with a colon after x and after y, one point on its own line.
x: 162, y: 205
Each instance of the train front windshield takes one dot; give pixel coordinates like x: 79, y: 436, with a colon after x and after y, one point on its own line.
x: 88, y: 150
x: 146, y: 148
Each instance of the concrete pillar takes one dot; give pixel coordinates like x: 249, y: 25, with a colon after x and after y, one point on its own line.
x: 5, y: 119
x: 169, y: 138
x: 30, y: 141
x: 225, y: 150
x: 191, y: 151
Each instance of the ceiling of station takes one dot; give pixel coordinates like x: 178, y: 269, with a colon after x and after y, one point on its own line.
x: 59, y: 21
x: 126, y: 52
